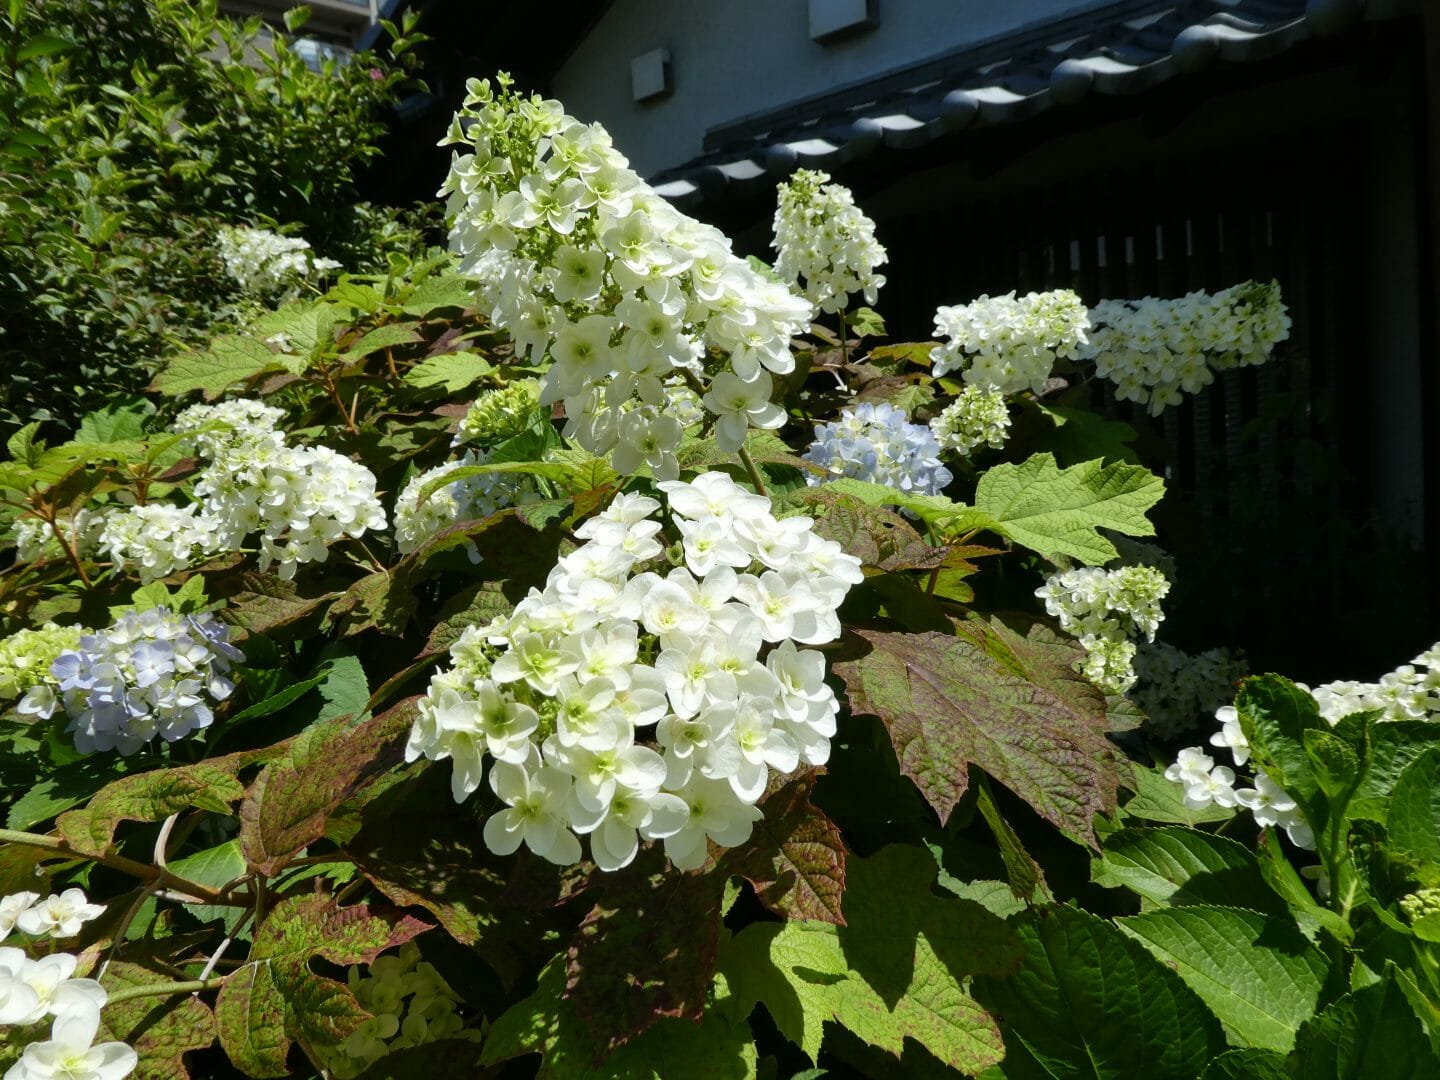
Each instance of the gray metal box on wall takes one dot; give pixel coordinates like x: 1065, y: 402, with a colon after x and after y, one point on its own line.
x: 832, y: 19
x: 651, y: 75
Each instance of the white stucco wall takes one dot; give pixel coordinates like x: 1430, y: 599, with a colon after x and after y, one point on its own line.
x: 733, y: 58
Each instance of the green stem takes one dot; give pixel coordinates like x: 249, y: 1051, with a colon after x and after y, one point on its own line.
x: 749, y: 463
x: 140, y: 870
x: 165, y: 989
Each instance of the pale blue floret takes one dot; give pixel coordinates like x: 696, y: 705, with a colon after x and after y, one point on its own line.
x: 878, y: 444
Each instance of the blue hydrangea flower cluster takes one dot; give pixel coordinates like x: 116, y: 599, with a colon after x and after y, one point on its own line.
x: 151, y: 673
x: 877, y: 443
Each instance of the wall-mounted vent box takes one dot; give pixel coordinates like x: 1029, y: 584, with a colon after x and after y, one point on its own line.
x: 651, y: 76
x: 831, y: 20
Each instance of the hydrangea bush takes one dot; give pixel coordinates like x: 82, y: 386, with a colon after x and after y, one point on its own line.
x: 564, y: 658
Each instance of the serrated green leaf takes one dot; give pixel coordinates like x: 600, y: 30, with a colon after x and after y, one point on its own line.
x: 274, y: 997
x: 68, y: 786
x: 944, y: 516
x: 1057, y: 512
x: 1366, y: 1035
x: 1247, y: 1065
x: 439, y: 292
x: 986, y: 696
x: 344, y: 689
x: 261, y: 603
x: 42, y: 45
x: 865, y: 322
x: 382, y: 337
x: 229, y: 360
x: 1159, y: 799
x: 1275, y: 714
x: 896, y: 969
x: 1413, y: 824
x: 1090, y: 1002
x: 24, y: 447
x: 452, y: 372
x: 119, y: 421
x: 160, y: 1030
x: 1257, y: 973
x: 1393, y: 746
x: 720, y: 1047
x: 1183, y: 866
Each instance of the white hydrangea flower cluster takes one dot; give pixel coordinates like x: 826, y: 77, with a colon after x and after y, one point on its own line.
x: 36, y: 539
x: 876, y: 442
x: 1156, y: 351
x: 264, y: 263
x: 299, y: 499
x: 1207, y: 783
x: 409, y: 1005
x: 151, y: 673
x: 822, y: 237
x: 468, y: 498
x: 1104, y: 609
x: 1176, y: 688
x: 977, y: 417
x: 621, y: 645
x: 500, y: 414
x: 33, y: 991
x: 1008, y: 343
x: 575, y: 254
x: 1410, y: 692
x: 26, y: 656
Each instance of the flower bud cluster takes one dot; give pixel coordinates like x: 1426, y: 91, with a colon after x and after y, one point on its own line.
x: 1008, y: 344
x: 624, y: 644
x: 822, y: 237
x: 1206, y: 783
x: 26, y: 656
x: 264, y: 263
x: 876, y: 443
x: 978, y: 417
x: 1175, y: 688
x: 1410, y: 692
x: 151, y: 673
x: 34, y: 991
x: 409, y: 1005
x: 1104, y: 609
x: 497, y: 415
x: 1420, y: 904
x: 1155, y: 351
x: 299, y: 499
x: 575, y: 254
x: 468, y: 498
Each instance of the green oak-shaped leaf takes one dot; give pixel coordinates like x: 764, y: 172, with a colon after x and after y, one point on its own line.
x: 452, y: 372
x: 1055, y: 511
x: 896, y: 969
x: 287, y: 805
x: 161, y: 1030
x: 719, y: 1047
x: 646, y: 949
x: 989, y: 697
x: 1089, y: 1002
x: 794, y: 857
x: 228, y: 360
x: 274, y: 997
x: 1257, y: 973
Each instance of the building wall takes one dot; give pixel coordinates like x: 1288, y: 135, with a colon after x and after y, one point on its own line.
x: 734, y: 58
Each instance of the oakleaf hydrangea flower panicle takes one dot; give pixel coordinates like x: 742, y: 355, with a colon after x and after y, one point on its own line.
x: 409, y: 1005
x: 470, y: 498
x: 977, y: 417
x: 1104, y: 609
x: 158, y: 539
x: 1410, y: 692
x: 1207, y: 783
x: 631, y: 699
x: 1009, y: 344
x: 1176, y: 689
x: 573, y: 254
x: 826, y: 245
x: 151, y: 673
x: 876, y: 443
x: 497, y: 415
x: 1156, y: 351
x: 226, y: 424
x: 26, y: 656
x: 263, y: 263
x: 36, y: 539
